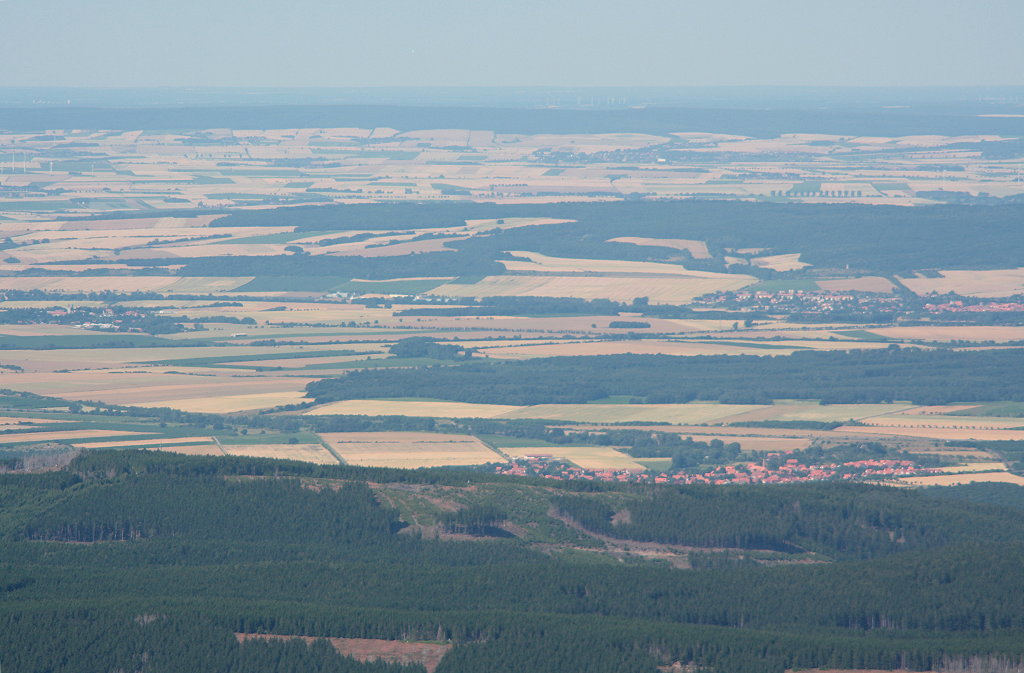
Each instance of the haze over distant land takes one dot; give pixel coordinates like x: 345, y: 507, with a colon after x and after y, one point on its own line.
x: 306, y: 43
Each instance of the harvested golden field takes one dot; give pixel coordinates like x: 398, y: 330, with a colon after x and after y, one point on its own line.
x: 153, y: 388
x: 543, y: 263
x: 309, y: 453
x: 991, y: 283
x: 812, y: 411
x: 697, y: 249
x: 123, y: 284
x: 229, y: 404
x: 426, y: 408
x: 633, y: 413
x: 939, y: 409
x: 587, y: 457
x: 996, y: 333
x: 41, y: 361
x: 909, y: 420
x: 935, y: 433
x: 88, y: 283
x: 40, y: 330
x: 788, y: 262
x: 862, y: 284
x: 658, y: 289
x: 830, y: 345
x: 138, y: 223
x: 967, y: 478
x: 63, y: 436
x: 972, y: 467
x: 409, y: 449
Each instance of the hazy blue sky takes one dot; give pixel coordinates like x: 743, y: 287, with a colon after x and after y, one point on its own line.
x: 510, y: 42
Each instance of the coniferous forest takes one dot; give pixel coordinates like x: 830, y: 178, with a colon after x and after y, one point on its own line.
x: 152, y: 562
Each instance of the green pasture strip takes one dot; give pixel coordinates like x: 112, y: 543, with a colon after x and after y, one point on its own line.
x: 748, y: 344
x: 380, y: 363
x: 269, y: 438
x: 1011, y: 409
x: 291, y: 284
x: 862, y: 335
x: 226, y: 359
x: 389, y: 286
x: 19, y: 402
x: 283, y: 237
x: 107, y: 340
x: 99, y: 438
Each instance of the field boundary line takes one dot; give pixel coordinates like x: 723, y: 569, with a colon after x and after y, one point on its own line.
x: 219, y: 445
x: 330, y: 450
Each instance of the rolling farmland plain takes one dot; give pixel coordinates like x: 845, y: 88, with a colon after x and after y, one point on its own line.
x: 402, y: 398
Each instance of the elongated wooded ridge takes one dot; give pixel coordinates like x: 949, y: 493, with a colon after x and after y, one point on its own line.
x: 875, y: 239
x: 188, y: 549
x: 919, y: 376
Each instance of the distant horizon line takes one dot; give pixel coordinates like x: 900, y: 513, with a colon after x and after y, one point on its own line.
x: 505, y: 87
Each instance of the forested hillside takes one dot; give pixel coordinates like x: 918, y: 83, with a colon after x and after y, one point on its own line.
x: 920, y: 376
x: 191, y: 550
x: 875, y: 239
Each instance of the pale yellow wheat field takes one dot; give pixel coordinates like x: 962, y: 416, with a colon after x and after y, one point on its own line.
x: 409, y: 449
x: 310, y: 453
x: 587, y: 457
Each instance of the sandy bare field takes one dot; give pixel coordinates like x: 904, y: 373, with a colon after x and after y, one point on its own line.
x: 227, y: 404
x: 967, y: 478
x: 909, y: 420
x: 997, y: 333
x: 991, y: 283
x: 787, y: 262
x: 539, y: 262
x: 936, y: 433
x: 825, y: 413
x: 972, y: 467
x: 310, y: 453
x: 939, y: 409
x: 587, y: 457
x: 409, y: 449
x: 697, y: 249
x: 66, y: 437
